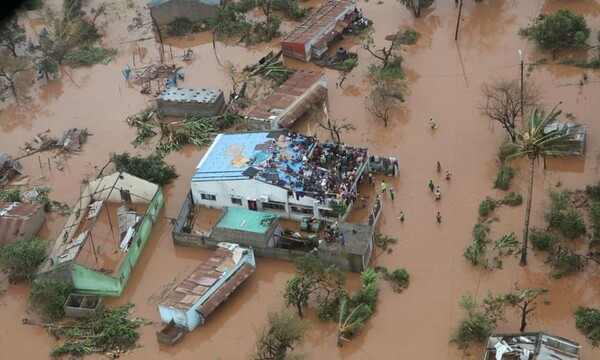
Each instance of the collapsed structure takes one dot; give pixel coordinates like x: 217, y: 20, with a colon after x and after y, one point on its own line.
x: 530, y: 346
x: 191, y: 102
x: 279, y: 171
x: 288, y: 102
x: 312, y: 37
x: 105, y: 234
x: 192, y: 300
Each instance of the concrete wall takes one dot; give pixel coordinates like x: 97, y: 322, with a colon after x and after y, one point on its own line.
x: 183, y: 108
x: 252, y: 189
x: 34, y: 223
x: 193, y: 10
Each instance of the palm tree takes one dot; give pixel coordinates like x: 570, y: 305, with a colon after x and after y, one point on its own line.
x: 533, y: 143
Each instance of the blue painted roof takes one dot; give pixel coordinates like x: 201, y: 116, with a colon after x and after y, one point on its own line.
x: 276, y: 157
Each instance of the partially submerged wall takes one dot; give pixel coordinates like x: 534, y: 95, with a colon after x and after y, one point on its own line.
x: 191, y: 9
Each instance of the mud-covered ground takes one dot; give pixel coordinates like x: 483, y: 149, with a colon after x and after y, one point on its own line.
x: 444, y: 79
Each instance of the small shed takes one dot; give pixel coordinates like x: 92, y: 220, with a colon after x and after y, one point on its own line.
x: 356, y: 253
x: 191, y: 102
x: 192, y: 300
x: 19, y: 221
x: 312, y: 36
x: 576, y: 133
x: 83, y: 306
x: 245, y: 227
x: 165, y: 11
x: 288, y: 102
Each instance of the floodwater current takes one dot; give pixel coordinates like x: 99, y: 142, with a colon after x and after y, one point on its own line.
x: 444, y: 78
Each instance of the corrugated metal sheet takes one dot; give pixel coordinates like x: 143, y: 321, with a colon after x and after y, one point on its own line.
x: 285, y: 95
x: 14, y: 218
x: 288, y: 119
x: 326, y: 14
x: 197, y: 282
x: 225, y: 290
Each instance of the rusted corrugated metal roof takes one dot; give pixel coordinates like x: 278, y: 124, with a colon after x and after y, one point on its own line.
x: 191, y: 289
x: 288, y: 119
x: 286, y: 94
x: 14, y: 218
x: 225, y: 290
x: 323, y: 16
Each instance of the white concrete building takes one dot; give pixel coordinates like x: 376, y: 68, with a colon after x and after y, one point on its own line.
x: 278, y: 171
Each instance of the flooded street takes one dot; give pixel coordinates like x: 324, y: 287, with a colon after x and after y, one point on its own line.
x: 444, y: 79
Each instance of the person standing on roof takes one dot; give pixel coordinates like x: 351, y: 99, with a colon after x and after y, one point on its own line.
x: 383, y: 187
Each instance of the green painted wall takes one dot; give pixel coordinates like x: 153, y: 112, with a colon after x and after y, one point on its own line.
x: 91, y: 282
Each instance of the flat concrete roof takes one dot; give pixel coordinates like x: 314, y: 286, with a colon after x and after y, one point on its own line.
x: 206, y: 96
x: 246, y: 220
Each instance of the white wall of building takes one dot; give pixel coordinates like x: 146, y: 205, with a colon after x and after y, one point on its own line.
x: 253, y: 190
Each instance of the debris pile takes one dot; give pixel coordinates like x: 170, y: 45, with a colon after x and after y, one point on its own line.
x: 71, y: 141
x: 9, y: 169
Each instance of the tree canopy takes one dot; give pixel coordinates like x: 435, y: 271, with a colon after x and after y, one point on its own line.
x: 282, y: 333
x: 152, y: 168
x: 559, y: 31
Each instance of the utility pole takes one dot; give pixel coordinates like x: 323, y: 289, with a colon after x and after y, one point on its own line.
x: 522, y: 66
x: 458, y: 20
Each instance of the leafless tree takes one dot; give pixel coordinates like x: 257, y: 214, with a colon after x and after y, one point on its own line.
x: 502, y: 102
x: 523, y: 300
x: 9, y: 69
x: 335, y: 127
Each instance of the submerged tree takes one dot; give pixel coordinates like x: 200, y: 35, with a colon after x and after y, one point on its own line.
x: 502, y: 102
x: 534, y: 143
x: 21, y: 259
x: 524, y: 301
x: 10, y: 68
x: 313, y: 278
x: 559, y: 31
x: 12, y: 35
x: 282, y: 333
x: 480, y: 320
x: 152, y: 168
x: 416, y: 5
x: 335, y: 128
x: 387, y: 87
x: 388, y: 55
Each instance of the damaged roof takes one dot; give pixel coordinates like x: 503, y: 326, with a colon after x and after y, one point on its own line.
x: 329, y: 12
x: 14, y: 218
x: 533, y: 346
x: 192, y: 289
x: 292, y: 99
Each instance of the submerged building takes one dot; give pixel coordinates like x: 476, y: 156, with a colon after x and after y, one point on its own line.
x: 530, y: 346
x: 288, y: 102
x: 191, y: 102
x: 192, y: 301
x: 165, y: 11
x: 104, y: 236
x: 282, y: 172
x: 313, y: 35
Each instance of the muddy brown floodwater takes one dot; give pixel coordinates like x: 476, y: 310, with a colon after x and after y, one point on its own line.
x: 444, y: 79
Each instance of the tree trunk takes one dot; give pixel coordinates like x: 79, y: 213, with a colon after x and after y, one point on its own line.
x: 523, y: 320
x: 523, y: 261
x: 299, y: 307
x: 13, y: 50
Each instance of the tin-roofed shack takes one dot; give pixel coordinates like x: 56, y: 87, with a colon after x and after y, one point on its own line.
x: 103, y: 238
x: 325, y: 23
x: 165, y: 11
x: 576, y: 134
x: 206, y: 287
x: 288, y: 102
x: 191, y: 102
x: 19, y: 221
x: 530, y: 346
